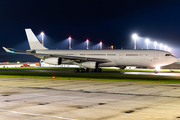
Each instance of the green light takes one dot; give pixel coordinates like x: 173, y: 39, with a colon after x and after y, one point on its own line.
x: 12, y: 51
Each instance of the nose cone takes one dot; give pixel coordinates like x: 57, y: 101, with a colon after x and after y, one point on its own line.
x: 174, y: 59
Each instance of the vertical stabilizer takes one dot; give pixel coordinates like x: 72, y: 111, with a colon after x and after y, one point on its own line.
x: 33, y: 41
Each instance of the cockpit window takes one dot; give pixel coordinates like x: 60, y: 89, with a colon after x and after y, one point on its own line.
x: 168, y: 54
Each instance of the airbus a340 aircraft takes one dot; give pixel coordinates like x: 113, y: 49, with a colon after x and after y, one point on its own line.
x: 95, y: 59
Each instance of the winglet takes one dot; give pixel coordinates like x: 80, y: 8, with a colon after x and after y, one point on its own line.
x: 7, y: 50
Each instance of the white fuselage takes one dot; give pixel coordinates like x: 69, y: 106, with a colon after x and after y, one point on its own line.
x: 98, y: 58
x: 146, y: 58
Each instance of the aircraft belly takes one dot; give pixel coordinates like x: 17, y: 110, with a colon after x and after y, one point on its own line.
x: 108, y: 64
x: 133, y: 62
x: 145, y: 62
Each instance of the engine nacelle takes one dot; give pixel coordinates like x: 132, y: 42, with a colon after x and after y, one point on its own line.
x: 53, y: 61
x: 92, y: 65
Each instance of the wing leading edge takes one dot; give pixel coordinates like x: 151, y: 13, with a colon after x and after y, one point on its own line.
x: 13, y: 51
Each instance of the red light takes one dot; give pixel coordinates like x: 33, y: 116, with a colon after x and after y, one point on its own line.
x: 87, y: 40
x: 69, y: 37
x: 100, y: 41
x: 42, y: 33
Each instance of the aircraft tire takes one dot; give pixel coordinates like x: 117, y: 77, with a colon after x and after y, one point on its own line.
x: 76, y: 70
x: 87, y: 70
x: 99, y: 70
x: 94, y: 70
x: 82, y: 70
x: 156, y: 71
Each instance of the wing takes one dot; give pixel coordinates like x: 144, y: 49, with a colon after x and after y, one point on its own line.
x: 40, y: 55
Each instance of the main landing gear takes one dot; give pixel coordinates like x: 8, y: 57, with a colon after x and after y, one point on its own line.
x: 97, y: 70
x: 81, y: 70
x: 87, y: 70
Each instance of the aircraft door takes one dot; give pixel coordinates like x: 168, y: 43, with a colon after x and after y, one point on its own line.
x: 156, y: 55
x: 120, y: 55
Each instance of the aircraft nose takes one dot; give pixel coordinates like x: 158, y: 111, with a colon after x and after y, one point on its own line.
x: 174, y: 59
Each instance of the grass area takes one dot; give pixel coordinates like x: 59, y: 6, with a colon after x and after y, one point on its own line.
x: 94, y: 76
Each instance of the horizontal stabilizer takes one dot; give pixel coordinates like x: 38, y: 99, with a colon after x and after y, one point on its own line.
x: 7, y: 50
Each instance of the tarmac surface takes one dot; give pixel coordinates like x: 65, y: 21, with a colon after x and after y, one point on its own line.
x: 51, y: 99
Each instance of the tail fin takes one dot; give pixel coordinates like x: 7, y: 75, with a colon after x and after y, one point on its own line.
x: 33, y: 41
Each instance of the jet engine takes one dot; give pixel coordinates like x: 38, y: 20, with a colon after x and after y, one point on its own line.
x: 53, y: 61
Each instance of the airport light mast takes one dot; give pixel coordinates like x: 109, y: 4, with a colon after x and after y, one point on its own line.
x: 147, y: 41
x: 169, y: 49
x: 87, y: 41
x: 134, y: 37
x: 155, y: 44
x: 101, y: 45
x: 69, y: 42
x: 42, y: 34
x: 165, y: 47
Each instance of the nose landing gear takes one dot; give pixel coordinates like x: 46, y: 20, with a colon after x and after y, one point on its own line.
x: 156, y: 71
x: 157, y: 68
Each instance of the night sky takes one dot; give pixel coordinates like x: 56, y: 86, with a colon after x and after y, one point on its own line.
x: 110, y: 21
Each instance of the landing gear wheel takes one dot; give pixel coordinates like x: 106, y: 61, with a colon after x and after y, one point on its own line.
x: 81, y: 70
x: 122, y: 67
x: 93, y: 70
x: 76, y: 70
x: 155, y: 71
x: 87, y: 70
x: 99, y: 70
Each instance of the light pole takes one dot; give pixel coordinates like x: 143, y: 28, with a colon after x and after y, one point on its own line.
x: 69, y: 42
x: 134, y: 37
x: 147, y: 41
x: 101, y: 45
x: 155, y: 44
x: 87, y: 41
x: 165, y: 47
x: 42, y: 34
x: 169, y: 49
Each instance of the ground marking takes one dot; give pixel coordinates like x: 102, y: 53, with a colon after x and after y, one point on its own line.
x: 36, y: 114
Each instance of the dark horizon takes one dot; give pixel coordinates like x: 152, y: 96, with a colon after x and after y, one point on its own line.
x: 112, y: 22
